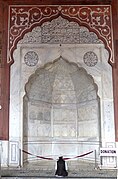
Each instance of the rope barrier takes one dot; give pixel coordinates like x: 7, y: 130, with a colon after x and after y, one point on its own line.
x: 37, y: 155
x: 82, y: 155
x: 48, y: 158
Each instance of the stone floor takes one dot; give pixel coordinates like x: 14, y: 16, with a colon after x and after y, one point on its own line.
x: 85, y: 170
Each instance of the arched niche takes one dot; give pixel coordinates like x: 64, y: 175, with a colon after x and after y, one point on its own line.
x: 60, y: 105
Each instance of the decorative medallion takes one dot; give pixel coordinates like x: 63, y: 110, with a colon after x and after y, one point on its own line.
x: 31, y: 58
x: 90, y: 59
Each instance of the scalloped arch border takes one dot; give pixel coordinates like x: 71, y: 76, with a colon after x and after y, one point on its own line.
x: 32, y: 76
x: 22, y: 19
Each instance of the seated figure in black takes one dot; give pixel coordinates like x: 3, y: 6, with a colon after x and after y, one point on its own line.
x: 61, y: 168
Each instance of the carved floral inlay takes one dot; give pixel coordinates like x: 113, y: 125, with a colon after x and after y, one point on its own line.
x: 23, y: 18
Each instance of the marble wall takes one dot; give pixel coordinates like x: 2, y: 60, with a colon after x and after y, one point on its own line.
x: 61, y: 96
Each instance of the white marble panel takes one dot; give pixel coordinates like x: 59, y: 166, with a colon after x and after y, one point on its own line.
x: 4, y: 153
x: 64, y: 131
x: 14, y: 152
x: 88, y: 129
x: 108, y: 121
x: 65, y: 149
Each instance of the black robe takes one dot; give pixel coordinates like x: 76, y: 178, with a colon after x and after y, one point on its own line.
x: 61, y: 169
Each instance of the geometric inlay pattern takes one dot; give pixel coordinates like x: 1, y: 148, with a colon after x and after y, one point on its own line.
x: 90, y: 59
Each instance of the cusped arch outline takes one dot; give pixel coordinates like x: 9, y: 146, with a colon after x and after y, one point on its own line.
x: 52, y: 65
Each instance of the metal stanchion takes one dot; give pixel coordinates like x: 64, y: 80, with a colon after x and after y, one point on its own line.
x: 95, y: 160
x: 19, y: 158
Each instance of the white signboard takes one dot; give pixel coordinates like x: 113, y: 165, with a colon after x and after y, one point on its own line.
x: 108, y: 152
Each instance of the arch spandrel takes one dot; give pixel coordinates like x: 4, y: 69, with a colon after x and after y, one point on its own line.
x: 24, y: 18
